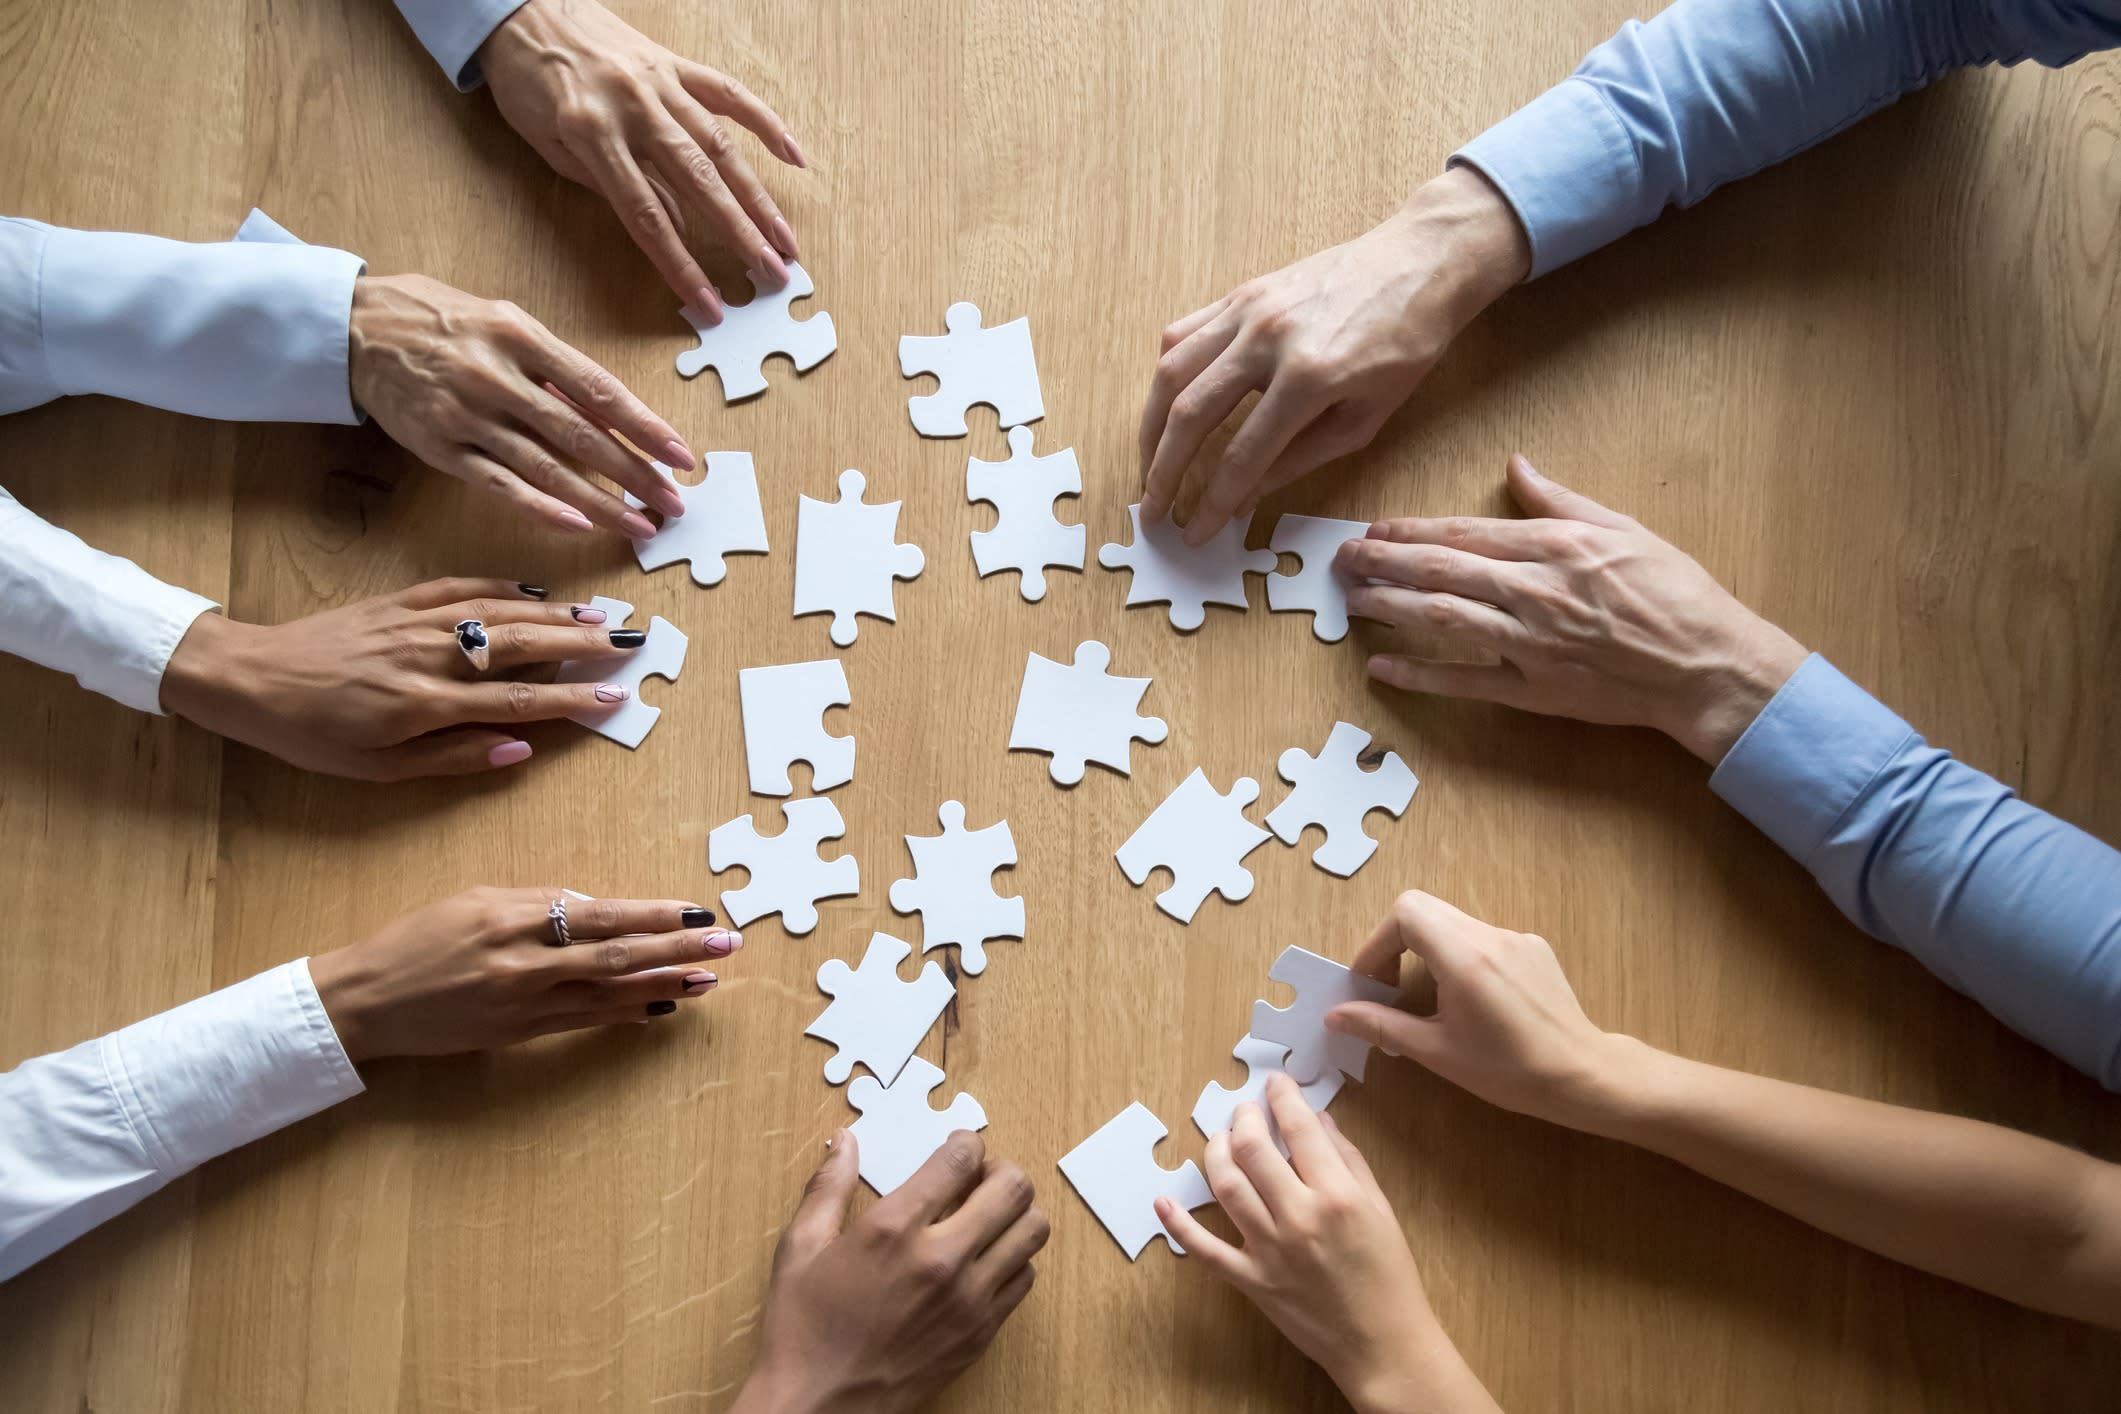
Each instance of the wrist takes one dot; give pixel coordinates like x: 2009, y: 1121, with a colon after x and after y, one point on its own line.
x: 1736, y: 690
x: 768, y: 1391
x: 348, y: 993
x: 205, y: 671
x: 1472, y: 238
x: 1419, y: 1372
x: 1615, y: 1089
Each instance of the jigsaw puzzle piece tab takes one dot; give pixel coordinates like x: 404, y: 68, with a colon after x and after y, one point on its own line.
x: 788, y: 876
x: 1165, y: 570
x: 972, y: 365
x: 1080, y: 713
x: 953, y: 888
x: 847, y: 557
x: 1027, y: 537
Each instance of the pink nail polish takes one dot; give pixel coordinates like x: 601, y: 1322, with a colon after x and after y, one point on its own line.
x: 636, y: 525
x: 608, y: 692
x: 770, y: 267
x: 784, y: 238
x: 572, y: 519
x: 679, y: 455
x: 721, y: 943
x: 583, y: 614
x: 698, y: 984
x: 791, y: 151
x: 707, y: 305
x: 508, y: 753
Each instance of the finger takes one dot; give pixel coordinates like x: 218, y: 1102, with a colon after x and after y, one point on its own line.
x: 620, y: 181
x: 474, y: 468
x: 1453, y: 616
x: 1179, y: 330
x: 611, y: 959
x: 1436, y: 568
x: 1395, y: 1032
x: 1542, y: 497
x: 743, y: 184
x: 937, y: 1185
x: 559, y: 1021
x: 560, y: 423
x: 1239, y: 1199
x: 668, y: 984
x: 1288, y: 407
x: 1195, y: 412
x: 492, y: 610
x: 1009, y: 1253
x: 1175, y: 373
x: 458, y: 753
x: 1002, y: 1196
x: 1012, y: 1296
x: 822, y: 1212
x: 719, y: 93
x: 454, y: 704
x: 541, y: 467
x: 594, y: 918
x: 1262, y: 1164
x: 518, y: 645
x: 1336, y: 432
x: 1352, y: 1157
x: 598, y: 394
x: 697, y: 166
x: 1228, y: 1262
x: 434, y: 593
x: 1312, y: 1154
x: 1477, y: 535
x: 1422, y: 924
x: 1485, y: 682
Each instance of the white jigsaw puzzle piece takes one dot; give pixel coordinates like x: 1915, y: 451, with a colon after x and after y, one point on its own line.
x: 749, y: 334
x: 722, y: 517
x: 1332, y: 790
x: 847, y: 555
x: 784, y: 712
x: 952, y: 888
x: 972, y: 365
x: 1027, y: 537
x: 1200, y: 835
x: 899, y: 1128
x: 662, y: 656
x: 1081, y: 713
x: 1217, y: 1105
x: 875, y: 1017
x: 1165, y: 570
x: 1115, y: 1172
x: 1321, y: 985
x: 1316, y: 588
x: 788, y: 876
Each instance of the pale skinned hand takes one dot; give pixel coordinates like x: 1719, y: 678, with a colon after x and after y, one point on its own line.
x: 1507, y: 1026
x: 1591, y: 615
x: 480, y: 390
x: 479, y: 970
x: 380, y: 691
x: 878, y: 1315
x: 639, y: 126
x: 1334, y: 343
x: 1324, y: 1259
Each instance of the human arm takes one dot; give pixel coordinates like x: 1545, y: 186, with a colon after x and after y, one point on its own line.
x: 1323, y: 1257
x: 878, y: 1315
x: 2016, y: 1216
x: 1592, y: 616
x: 88, y: 1132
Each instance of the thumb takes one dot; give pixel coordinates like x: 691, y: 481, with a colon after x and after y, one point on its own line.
x: 1395, y: 1032
x: 1554, y: 501
x: 453, y: 753
x: 823, y: 1209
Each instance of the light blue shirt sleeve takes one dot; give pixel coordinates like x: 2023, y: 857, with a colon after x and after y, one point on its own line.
x: 1709, y: 91
x: 2005, y: 902
x: 453, y: 30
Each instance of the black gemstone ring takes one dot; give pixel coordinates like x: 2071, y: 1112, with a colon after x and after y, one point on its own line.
x: 471, y: 640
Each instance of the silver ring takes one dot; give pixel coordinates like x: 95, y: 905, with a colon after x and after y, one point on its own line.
x: 558, y: 914
x: 471, y: 642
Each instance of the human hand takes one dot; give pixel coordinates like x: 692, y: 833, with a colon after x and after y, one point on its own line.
x: 480, y: 390
x: 1507, y: 1027
x: 635, y: 123
x: 1324, y: 1258
x: 1336, y: 342
x: 480, y: 970
x: 879, y: 1316
x: 1592, y: 616
x: 380, y: 691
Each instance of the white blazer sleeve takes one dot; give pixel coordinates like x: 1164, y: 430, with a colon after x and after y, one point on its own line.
x: 453, y: 30
x: 244, y: 330
x: 89, y: 1132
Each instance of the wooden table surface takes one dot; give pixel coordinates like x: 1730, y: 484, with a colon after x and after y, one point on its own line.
x: 1877, y: 391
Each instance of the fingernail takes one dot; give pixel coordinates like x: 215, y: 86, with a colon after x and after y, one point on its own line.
x: 698, y: 984
x: 611, y: 692
x: 636, y: 525
x: 708, y: 305
x: 628, y: 637
x: 695, y: 917
x: 784, y: 238
x: 583, y: 614
x: 662, y: 1008
x: 573, y: 520
x: 791, y: 151
x: 508, y: 753
x: 532, y: 591
x: 679, y: 455
x: 669, y: 500
x: 1332, y: 1023
x: 722, y: 943
x: 770, y: 265
x: 1529, y: 469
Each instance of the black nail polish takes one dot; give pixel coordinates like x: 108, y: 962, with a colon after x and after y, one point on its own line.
x: 696, y: 918
x: 535, y: 591
x: 628, y: 637
x: 662, y: 1008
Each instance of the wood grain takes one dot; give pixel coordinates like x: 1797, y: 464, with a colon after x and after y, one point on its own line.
x: 1877, y: 390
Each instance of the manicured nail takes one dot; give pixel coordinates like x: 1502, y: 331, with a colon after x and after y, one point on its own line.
x: 722, y: 942
x: 679, y: 455
x: 662, y: 1008
x: 584, y: 614
x: 628, y: 637
x: 707, y: 305
x: 508, y: 753
x: 791, y: 151
x: 669, y: 501
x: 695, y: 917
x: 698, y: 984
x: 771, y: 267
x: 636, y: 525
x: 784, y: 238
x: 611, y: 692
x: 531, y: 591
x: 571, y: 519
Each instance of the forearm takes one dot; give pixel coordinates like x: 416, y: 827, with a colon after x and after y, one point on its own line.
x: 1427, y: 1376
x: 2013, y: 1215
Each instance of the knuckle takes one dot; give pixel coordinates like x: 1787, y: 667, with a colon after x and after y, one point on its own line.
x: 1015, y: 1185
x: 645, y: 216
x: 615, y: 956
x: 1439, y: 611
x: 934, y: 1270
x: 599, y: 387
x: 1248, y: 1146
x: 522, y: 699
x: 518, y: 640
x: 484, y: 610
x: 1174, y: 334
x: 603, y: 915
